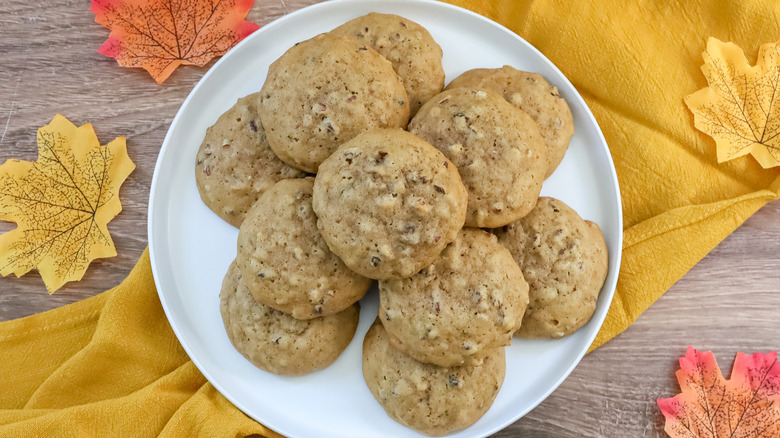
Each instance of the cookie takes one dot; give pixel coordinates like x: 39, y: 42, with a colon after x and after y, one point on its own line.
x: 470, y: 300
x: 388, y: 203
x: 276, y: 342
x: 324, y: 91
x: 415, y: 55
x: 235, y: 165
x: 286, y: 263
x: 564, y: 259
x: 533, y: 94
x: 497, y: 148
x: 430, y: 399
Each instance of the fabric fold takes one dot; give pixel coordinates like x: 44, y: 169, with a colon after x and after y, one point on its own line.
x: 109, y: 365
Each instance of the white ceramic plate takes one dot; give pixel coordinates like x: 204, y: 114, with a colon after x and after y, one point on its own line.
x: 191, y: 247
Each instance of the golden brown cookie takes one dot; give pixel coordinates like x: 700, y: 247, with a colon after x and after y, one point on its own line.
x: 497, y: 148
x: 564, y: 259
x: 430, y: 399
x: 470, y: 300
x: 324, y: 91
x: 286, y: 263
x: 533, y: 94
x: 415, y: 55
x: 235, y: 165
x: 387, y: 203
x: 276, y: 342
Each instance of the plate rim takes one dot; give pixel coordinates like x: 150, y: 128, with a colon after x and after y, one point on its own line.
x: 613, y: 272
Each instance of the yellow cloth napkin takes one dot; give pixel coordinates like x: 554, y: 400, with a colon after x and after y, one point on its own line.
x: 634, y: 62
x: 111, y: 365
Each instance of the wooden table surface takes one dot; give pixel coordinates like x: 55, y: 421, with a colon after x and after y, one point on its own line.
x: 49, y: 64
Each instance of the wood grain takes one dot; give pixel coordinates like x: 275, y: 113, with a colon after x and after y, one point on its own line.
x: 49, y: 65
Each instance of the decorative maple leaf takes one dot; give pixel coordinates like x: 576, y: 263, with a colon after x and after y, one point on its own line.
x: 740, y: 108
x: 61, y: 203
x: 160, y: 35
x: 745, y: 406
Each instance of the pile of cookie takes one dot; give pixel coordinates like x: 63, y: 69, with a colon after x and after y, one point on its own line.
x: 352, y: 165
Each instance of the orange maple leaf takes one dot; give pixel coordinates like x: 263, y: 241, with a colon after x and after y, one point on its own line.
x: 745, y: 406
x: 160, y: 35
x: 61, y: 203
x: 741, y: 107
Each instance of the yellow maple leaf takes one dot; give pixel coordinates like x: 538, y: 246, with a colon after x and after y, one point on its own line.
x: 61, y: 203
x: 741, y: 107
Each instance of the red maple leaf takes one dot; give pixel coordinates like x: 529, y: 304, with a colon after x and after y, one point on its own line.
x: 160, y: 35
x: 709, y: 406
